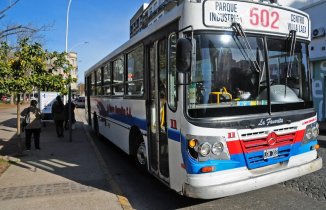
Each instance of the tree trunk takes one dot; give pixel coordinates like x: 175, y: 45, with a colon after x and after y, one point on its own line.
x: 18, y: 115
x: 12, y: 97
x: 20, y: 143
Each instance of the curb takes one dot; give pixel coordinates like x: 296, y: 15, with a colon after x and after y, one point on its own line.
x: 10, y: 159
x: 123, y: 200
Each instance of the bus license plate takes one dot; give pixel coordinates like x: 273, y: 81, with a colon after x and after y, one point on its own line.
x: 270, y: 153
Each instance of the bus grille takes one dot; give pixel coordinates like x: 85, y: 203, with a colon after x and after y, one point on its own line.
x: 251, y: 145
x: 254, y: 150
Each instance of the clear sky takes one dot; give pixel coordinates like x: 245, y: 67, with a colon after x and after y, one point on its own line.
x: 104, y: 24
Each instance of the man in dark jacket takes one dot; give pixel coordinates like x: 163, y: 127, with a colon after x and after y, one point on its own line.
x: 58, y: 113
x: 73, y: 119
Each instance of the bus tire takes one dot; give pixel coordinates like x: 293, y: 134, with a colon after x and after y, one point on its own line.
x: 95, y: 123
x: 140, y: 155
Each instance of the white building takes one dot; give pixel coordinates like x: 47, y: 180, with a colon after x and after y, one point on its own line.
x: 136, y: 21
x: 72, y: 56
x: 148, y: 14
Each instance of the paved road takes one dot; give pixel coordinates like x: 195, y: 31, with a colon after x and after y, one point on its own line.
x: 146, y: 192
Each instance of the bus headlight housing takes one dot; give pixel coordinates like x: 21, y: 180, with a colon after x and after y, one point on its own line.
x: 312, y: 132
x: 203, y: 148
x: 315, y: 130
x: 217, y: 148
x: 309, y: 133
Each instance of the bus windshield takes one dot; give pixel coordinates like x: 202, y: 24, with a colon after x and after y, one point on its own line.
x: 230, y: 77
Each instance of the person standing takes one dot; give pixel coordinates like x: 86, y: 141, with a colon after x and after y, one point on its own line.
x: 73, y: 119
x: 58, y: 114
x: 33, y: 126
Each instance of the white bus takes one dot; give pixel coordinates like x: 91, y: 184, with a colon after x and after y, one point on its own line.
x: 211, y: 97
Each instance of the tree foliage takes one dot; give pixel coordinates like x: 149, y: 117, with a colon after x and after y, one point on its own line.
x: 28, y: 67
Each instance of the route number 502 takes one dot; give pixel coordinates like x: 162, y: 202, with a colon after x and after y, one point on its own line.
x: 264, y: 18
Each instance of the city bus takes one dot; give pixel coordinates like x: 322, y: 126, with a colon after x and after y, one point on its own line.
x: 211, y: 97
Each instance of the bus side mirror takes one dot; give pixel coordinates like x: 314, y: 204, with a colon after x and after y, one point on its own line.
x: 184, y: 48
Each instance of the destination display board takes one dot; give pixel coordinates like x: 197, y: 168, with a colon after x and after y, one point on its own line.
x: 255, y: 17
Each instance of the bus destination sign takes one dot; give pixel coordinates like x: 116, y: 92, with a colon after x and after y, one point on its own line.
x: 255, y: 17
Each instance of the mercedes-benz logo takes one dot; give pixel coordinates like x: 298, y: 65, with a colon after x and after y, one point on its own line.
x: 271, y: 139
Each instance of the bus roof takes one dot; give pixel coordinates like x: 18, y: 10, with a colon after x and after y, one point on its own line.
x: 213, y: 10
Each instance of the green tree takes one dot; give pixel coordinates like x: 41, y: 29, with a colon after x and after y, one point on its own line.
x: 29, y: 66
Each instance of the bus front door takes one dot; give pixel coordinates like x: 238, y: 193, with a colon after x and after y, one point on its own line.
x: 158, y: 141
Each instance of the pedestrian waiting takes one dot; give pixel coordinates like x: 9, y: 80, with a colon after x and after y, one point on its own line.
x: 58, y: 113
x: 73, y: 119
x: 32, y: 125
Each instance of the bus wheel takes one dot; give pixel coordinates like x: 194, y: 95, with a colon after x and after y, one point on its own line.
x: 141, y: 158
x: 95, y: 123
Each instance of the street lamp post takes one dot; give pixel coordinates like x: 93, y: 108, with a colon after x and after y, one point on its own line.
x: 69, y: 88
x: 67, y: 25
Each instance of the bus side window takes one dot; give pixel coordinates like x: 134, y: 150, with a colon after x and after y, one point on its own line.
x: 135, y: 74
x: 172, y: 72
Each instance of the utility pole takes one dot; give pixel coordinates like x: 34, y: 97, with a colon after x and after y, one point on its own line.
x: 69, y: 88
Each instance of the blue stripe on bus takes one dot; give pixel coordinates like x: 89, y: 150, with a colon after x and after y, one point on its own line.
x: 298, y: 149
x: 174, y: 134
x: 236, y: 161
x: 141, y: 123
x: 194, y: 167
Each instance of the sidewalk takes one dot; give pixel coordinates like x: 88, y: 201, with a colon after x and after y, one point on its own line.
x: 62, y: 175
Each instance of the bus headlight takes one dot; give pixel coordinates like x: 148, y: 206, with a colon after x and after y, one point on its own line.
x: 217, y: 148
x: 309, y: 133
x: 312, y: 132
x: 204, y: 149
x: 315, y: 130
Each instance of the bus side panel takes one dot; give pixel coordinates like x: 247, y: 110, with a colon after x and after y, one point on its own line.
x: 117, y: 116
x: 178, y: 173
x: 117, y: 134
x: 93, y: 109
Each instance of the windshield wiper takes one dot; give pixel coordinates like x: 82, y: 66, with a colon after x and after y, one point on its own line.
x: 261, y: 73
x: 246, y: 45
x: 293, y: 39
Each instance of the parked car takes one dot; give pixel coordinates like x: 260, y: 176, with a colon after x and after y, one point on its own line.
x: 80, y: 102
x: 5, y: 99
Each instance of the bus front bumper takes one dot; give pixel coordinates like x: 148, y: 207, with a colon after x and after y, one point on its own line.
x: 231, y: 182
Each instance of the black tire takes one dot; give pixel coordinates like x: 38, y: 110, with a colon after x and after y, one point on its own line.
x: 95, y: 123
x: 140, y: 154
